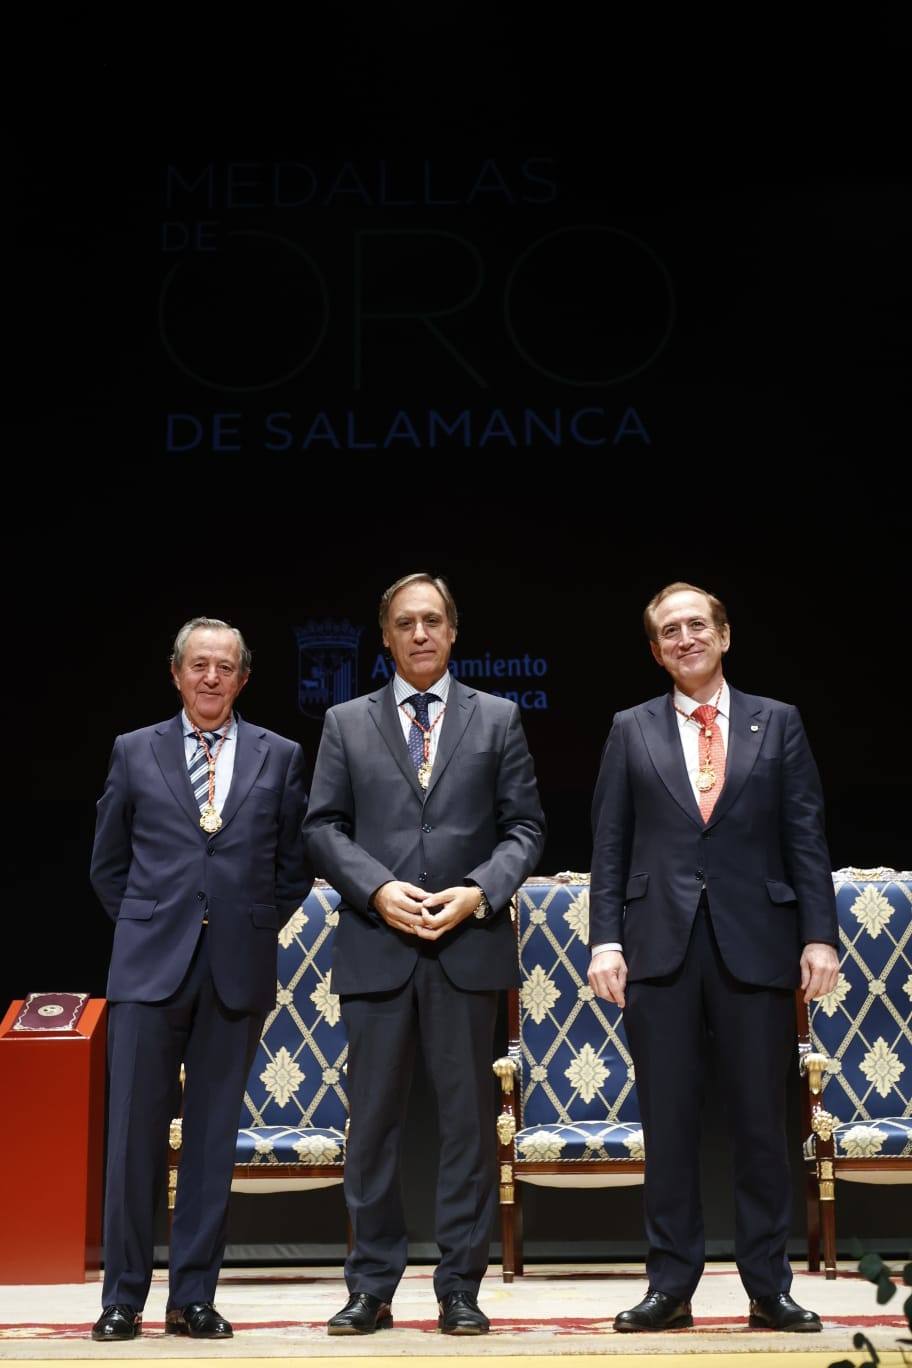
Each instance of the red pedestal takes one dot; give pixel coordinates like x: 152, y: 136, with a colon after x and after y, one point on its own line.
x: 52, y: 1149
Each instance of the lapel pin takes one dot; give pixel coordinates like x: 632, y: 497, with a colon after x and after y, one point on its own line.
x: 754, y: 726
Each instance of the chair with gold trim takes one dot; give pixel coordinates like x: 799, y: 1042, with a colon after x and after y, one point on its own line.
x: 291, y: 1133
x: 569, y: 1115
x: 855, y: 1051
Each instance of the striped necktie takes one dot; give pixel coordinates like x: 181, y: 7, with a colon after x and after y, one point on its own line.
x: 199, y: 768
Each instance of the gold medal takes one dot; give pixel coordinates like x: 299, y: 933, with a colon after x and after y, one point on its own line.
x: 424, y: 774
x: 706, y: 778
x: 210, y: 821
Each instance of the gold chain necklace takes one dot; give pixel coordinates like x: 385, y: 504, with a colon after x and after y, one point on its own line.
x: 706, y: 775
x: 210, y: 820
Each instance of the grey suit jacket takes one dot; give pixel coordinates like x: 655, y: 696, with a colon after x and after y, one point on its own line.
x: 369, y: 821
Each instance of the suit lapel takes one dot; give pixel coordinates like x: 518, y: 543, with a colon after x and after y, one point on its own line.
x: 746, y: 729
x: 385, y: 716
x: 252, y: 749
x: 168, y: 749
x: 460, y: 706
x: 659, y: 727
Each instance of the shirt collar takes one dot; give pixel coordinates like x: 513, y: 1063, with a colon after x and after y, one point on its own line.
x: 190, y: 731
x: 687, y: 705
x: 402, y: 690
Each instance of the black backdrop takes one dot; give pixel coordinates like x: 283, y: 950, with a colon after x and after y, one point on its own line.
x: 692, y: 274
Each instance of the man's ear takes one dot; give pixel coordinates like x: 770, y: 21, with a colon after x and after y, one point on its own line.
x: 656, y: 653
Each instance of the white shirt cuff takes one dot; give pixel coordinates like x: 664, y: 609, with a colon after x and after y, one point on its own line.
x: 608, y: 945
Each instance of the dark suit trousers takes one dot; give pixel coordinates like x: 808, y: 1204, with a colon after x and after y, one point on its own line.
x: 671, y: 1022
x: 455, y: 1031
x: 147, y: 1042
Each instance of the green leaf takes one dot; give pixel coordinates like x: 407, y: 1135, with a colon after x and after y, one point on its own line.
x: 907, y: 1275
x: 885, y: 1288
x: 871, y: 1267
x: 907, y: 1310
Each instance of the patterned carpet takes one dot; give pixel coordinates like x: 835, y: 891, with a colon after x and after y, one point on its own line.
x: 281, y: 1313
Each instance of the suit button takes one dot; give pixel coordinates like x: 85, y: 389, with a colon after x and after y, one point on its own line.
x: 698, y: 874
x: 200, y: 897
x: 425, y: 827
x: 210, y: 850
x: 423, y: 875
x: 704, y: 835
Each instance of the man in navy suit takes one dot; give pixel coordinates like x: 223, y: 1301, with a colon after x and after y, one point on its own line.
x: 424, y: 814
x: 711, y: 900
x: 198, y: 859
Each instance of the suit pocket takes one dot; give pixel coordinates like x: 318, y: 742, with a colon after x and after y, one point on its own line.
x: 261, y: 914
x: 780, y: 892
x: 136, y: 909
x: 636, y: 886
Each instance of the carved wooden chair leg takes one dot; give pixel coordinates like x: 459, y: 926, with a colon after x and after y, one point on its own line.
x: 505, y: 1070
x: 518, y: 1230
x: 813, y: 1223
x: 828, y: 1222
x: 507, y: 1237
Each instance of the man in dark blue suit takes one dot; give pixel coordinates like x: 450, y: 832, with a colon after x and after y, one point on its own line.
x: 198, y: 859
x: 711, y: 900
x: 424, y: 814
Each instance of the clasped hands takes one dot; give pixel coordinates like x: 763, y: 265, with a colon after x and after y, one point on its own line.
x: 405, y: 907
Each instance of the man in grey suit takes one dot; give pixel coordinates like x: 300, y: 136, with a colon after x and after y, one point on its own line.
x: 424, y: 814
x: 198, y: 860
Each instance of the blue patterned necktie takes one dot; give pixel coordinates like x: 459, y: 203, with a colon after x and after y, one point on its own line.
x: 420, y: 702
x: 198, y: 766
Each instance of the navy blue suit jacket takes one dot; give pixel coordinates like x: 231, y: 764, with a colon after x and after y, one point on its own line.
x: 762, y: 856
x: 369, y: 822
x: 157, y: 872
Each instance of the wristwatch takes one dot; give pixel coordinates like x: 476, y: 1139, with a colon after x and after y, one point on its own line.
x: 484, y: 907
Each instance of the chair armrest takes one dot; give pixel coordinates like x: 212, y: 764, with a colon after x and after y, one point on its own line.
x: 506, y: 1070
x: 812, y: 1065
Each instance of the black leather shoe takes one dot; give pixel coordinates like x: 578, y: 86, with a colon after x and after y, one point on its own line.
x: 460, y: 1315
x: 117, y: 1323
x: 779, y: 1312
x: 199, y: 1320
x: 362, y: 1314
x: 657, y: 1311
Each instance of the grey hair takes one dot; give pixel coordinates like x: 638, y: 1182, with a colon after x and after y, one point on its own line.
x: 216, y: 624
x: 443, y: 589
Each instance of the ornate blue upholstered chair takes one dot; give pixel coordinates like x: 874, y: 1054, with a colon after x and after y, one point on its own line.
x: 855, y: 1049
x: 292, y: 1127
x: 569, y: 1115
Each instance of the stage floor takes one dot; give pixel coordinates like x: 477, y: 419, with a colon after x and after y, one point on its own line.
x: 554, y: 1309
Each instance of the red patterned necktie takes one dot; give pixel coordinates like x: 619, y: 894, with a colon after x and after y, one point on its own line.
x: 712, y: 758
